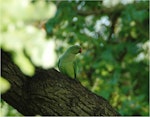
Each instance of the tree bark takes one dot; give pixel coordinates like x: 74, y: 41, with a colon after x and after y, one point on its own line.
x: 49, y: 92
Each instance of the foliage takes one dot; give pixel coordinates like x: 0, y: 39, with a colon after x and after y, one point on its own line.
x: 5, y: 85
x: 7, y: 110
x: 21, y: 33
x: 113, y: 35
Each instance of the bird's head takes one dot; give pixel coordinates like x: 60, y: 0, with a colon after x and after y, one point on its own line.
x: 75, y: 49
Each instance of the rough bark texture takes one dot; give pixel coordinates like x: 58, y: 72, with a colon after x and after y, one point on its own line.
x: 49, y: 92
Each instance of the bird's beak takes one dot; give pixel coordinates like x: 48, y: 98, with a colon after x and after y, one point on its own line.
x: 80, y: 50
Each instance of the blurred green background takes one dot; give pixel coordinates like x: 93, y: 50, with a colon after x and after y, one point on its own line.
x: 114, y: 35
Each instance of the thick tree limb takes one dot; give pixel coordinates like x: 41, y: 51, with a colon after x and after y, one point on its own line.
x: 49, y: 92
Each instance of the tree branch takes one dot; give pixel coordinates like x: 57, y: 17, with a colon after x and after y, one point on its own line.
x: 105, y: 10
x: 49, y: 92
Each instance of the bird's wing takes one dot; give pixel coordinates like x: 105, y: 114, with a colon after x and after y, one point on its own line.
x: 58, y: 64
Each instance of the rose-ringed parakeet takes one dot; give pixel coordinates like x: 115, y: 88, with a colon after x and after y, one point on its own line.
x: 67, y: 63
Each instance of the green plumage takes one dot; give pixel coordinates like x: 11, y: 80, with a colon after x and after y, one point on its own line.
x: 67, y: 62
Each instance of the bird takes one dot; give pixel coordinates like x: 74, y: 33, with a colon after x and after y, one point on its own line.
x: 67, y: 63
